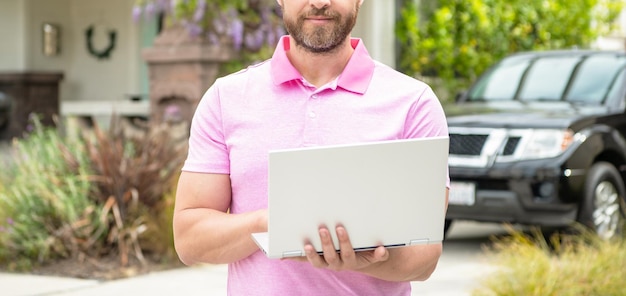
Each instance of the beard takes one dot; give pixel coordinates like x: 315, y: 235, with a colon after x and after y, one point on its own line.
x: 321, y: 39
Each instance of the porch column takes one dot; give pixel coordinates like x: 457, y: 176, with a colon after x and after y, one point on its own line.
x: 376, y: 25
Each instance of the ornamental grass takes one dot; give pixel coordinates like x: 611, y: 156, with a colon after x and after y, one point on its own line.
x: 105, y: 192
x: 570, y: 264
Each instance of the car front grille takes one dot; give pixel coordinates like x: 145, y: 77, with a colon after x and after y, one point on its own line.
x: 479, y: 147
x: 511, y: 145
x: 467, y: 144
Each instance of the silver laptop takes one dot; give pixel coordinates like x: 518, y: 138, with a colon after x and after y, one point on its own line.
x: 389, y: 193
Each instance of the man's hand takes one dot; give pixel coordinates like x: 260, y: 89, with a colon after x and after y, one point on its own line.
x: 346, y: 258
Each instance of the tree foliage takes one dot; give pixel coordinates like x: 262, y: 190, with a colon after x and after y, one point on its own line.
x: 459, y: 39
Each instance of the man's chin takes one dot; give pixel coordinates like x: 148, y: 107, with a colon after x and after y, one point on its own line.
x: 320, y: 49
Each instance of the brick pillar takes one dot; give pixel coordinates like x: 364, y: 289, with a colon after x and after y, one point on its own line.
x: 181, y: 69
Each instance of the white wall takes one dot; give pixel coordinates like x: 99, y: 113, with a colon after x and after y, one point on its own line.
x: 86, y: 78
x: 36, y: 13
x: 12, y: 56
x: 108, y: 79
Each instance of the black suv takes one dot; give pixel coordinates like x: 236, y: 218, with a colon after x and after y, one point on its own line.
x: 540, y: 139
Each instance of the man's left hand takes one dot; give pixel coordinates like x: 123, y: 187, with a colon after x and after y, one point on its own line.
x: 346, y: 258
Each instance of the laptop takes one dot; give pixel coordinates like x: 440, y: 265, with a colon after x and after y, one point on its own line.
x: 389, y: 193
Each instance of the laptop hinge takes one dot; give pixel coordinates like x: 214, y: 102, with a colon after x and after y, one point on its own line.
x: 293, y: 254
x: 422, y: 241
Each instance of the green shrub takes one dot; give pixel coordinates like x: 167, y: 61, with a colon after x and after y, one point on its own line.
x: 134, y: 174
x: 103, y: 192
x: 44, y: 201
x: 564, y: 264
x: 457, y: 40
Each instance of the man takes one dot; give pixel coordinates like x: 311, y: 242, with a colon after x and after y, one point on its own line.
x: 321, y: 87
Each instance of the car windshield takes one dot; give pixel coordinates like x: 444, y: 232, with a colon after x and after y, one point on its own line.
x: 574, y: 78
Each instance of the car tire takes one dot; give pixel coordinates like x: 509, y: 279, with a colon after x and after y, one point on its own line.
x: 602, y: 208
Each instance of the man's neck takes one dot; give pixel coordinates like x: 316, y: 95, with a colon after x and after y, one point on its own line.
x: 320, y: 68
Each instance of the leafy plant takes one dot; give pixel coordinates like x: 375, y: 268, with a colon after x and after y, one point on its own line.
x: 564, y: 264
x: 93, y: 195
x: 133, y: 174
x: 159, y: 236
x: 45, y: 201
x: 456, y: 40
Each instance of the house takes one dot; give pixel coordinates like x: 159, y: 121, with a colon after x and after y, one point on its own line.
x: 91, y: 50
x: 87, y: 57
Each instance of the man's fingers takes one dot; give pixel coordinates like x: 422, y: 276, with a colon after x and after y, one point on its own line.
x: 348, y: 255
x: 381, y: 254
x: 330, y: 254
x: 314, y: 258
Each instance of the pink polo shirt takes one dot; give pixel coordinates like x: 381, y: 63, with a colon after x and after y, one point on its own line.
x: 270, y: 106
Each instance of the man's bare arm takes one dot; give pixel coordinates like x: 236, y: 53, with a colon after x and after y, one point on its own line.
x: 204, y: 231
x: 412, y: 263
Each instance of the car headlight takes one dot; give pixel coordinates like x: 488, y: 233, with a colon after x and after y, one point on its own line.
x: 545, y: 143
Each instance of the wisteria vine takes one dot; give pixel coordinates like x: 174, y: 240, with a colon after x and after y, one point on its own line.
x: 249, y: 24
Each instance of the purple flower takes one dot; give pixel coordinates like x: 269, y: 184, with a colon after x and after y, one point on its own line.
x: 272, y: 38
x: 172, y: 109
x: 280, y: 31
x: 237, y: 31
x: 213, y: 38
x: 200, y: 10
x: 150, y: 10
x: 164, y: 5
x: 254, y: 40
x: 219, y: 24
x: 194, y: 29
x: 173, y: 4
x: 10, y: 221
x: 278, y: 10
x: 265, y: 15
x: 136, y: 13
x: 224, y: 19
x: 172, y: 113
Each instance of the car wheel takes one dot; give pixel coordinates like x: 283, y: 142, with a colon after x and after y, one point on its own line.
x: 602, y: 209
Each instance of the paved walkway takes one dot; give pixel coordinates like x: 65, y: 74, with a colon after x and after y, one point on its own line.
x: 451, y: 278
x: 458, y: 272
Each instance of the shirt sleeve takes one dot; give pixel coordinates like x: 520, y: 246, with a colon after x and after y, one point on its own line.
x: 208, y: 152
x: 427, y: 119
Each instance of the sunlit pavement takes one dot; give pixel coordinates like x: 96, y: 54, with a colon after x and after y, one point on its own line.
x: 462, y: 266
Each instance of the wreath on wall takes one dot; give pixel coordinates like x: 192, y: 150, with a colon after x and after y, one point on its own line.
x: 104, y: 53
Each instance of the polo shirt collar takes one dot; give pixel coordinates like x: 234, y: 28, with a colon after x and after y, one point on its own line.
x: 355, y: 77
